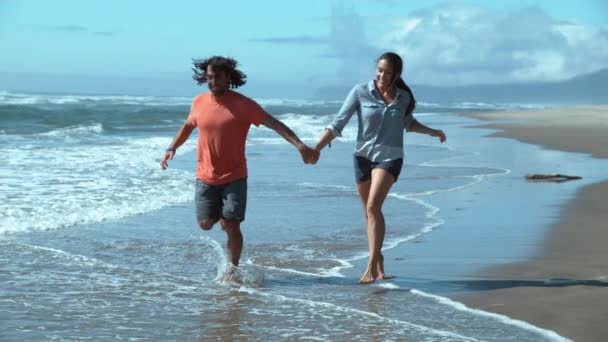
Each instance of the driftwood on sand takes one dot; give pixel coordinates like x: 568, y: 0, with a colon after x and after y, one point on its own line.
x: 555, y: 177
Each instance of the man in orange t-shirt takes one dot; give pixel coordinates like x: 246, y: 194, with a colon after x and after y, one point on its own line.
x: 223, y: 118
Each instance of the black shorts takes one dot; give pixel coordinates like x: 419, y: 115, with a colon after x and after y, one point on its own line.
x: 227, y: 201
x: 364, y: 167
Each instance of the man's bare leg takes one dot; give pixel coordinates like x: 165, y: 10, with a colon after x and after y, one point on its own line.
x: 234, y: 245
x: 207, y: 224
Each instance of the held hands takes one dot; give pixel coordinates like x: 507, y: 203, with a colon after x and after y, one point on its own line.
x: 309, y: 155
x: 439, y: 134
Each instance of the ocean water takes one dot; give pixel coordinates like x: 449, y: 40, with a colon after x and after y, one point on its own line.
x: 96, y: 242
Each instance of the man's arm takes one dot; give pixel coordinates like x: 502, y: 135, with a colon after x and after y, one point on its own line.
x: 180, y: 138
x: 308, y: 154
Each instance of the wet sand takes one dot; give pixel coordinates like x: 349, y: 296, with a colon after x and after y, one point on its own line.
x: 576, y: 247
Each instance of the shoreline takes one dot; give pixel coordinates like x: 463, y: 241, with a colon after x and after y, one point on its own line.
x: 582, y: 129
x: 573, y: 254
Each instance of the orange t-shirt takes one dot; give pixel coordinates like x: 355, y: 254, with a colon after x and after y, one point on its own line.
x: 223, y: 123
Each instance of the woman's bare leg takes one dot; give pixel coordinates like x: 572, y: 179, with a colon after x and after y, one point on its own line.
x: 379, y: 186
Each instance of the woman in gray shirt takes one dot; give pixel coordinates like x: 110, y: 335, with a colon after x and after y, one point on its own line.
x: 384, y: 109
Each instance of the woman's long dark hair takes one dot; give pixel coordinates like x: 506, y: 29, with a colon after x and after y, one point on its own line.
x: 218, y: 64
x: 397, y: 63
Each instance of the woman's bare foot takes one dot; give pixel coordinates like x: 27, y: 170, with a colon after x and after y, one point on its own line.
x: 370, y: 274
x: 380, y: 267
x: 367, y: 278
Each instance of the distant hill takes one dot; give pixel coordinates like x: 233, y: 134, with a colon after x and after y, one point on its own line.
x: 583, y: 89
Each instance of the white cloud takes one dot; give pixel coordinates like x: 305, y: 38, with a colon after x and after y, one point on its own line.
x: 463, y: 44
x: 538, y: 65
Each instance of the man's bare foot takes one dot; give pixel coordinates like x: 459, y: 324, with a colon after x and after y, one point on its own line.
x: 230, y: 274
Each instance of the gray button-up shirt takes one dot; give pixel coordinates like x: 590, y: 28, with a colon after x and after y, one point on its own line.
x: 380, y: 134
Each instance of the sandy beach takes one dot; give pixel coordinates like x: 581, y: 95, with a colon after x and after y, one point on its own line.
x: 575, y: 249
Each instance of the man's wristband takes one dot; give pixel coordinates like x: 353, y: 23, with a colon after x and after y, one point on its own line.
x: 170, y: 149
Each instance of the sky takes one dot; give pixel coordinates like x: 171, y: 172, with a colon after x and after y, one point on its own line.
x: 299, y: 45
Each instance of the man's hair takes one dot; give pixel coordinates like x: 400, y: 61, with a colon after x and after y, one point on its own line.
x: 397, y: 63
x: 218, y: 64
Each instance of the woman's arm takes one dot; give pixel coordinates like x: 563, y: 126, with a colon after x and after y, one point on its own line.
x: 350, y: 105
x: 325, y: 139
x: 420, y: 128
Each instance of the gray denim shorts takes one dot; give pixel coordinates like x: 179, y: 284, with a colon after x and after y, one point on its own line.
x: 227, y: 201
x: 364, y: 167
